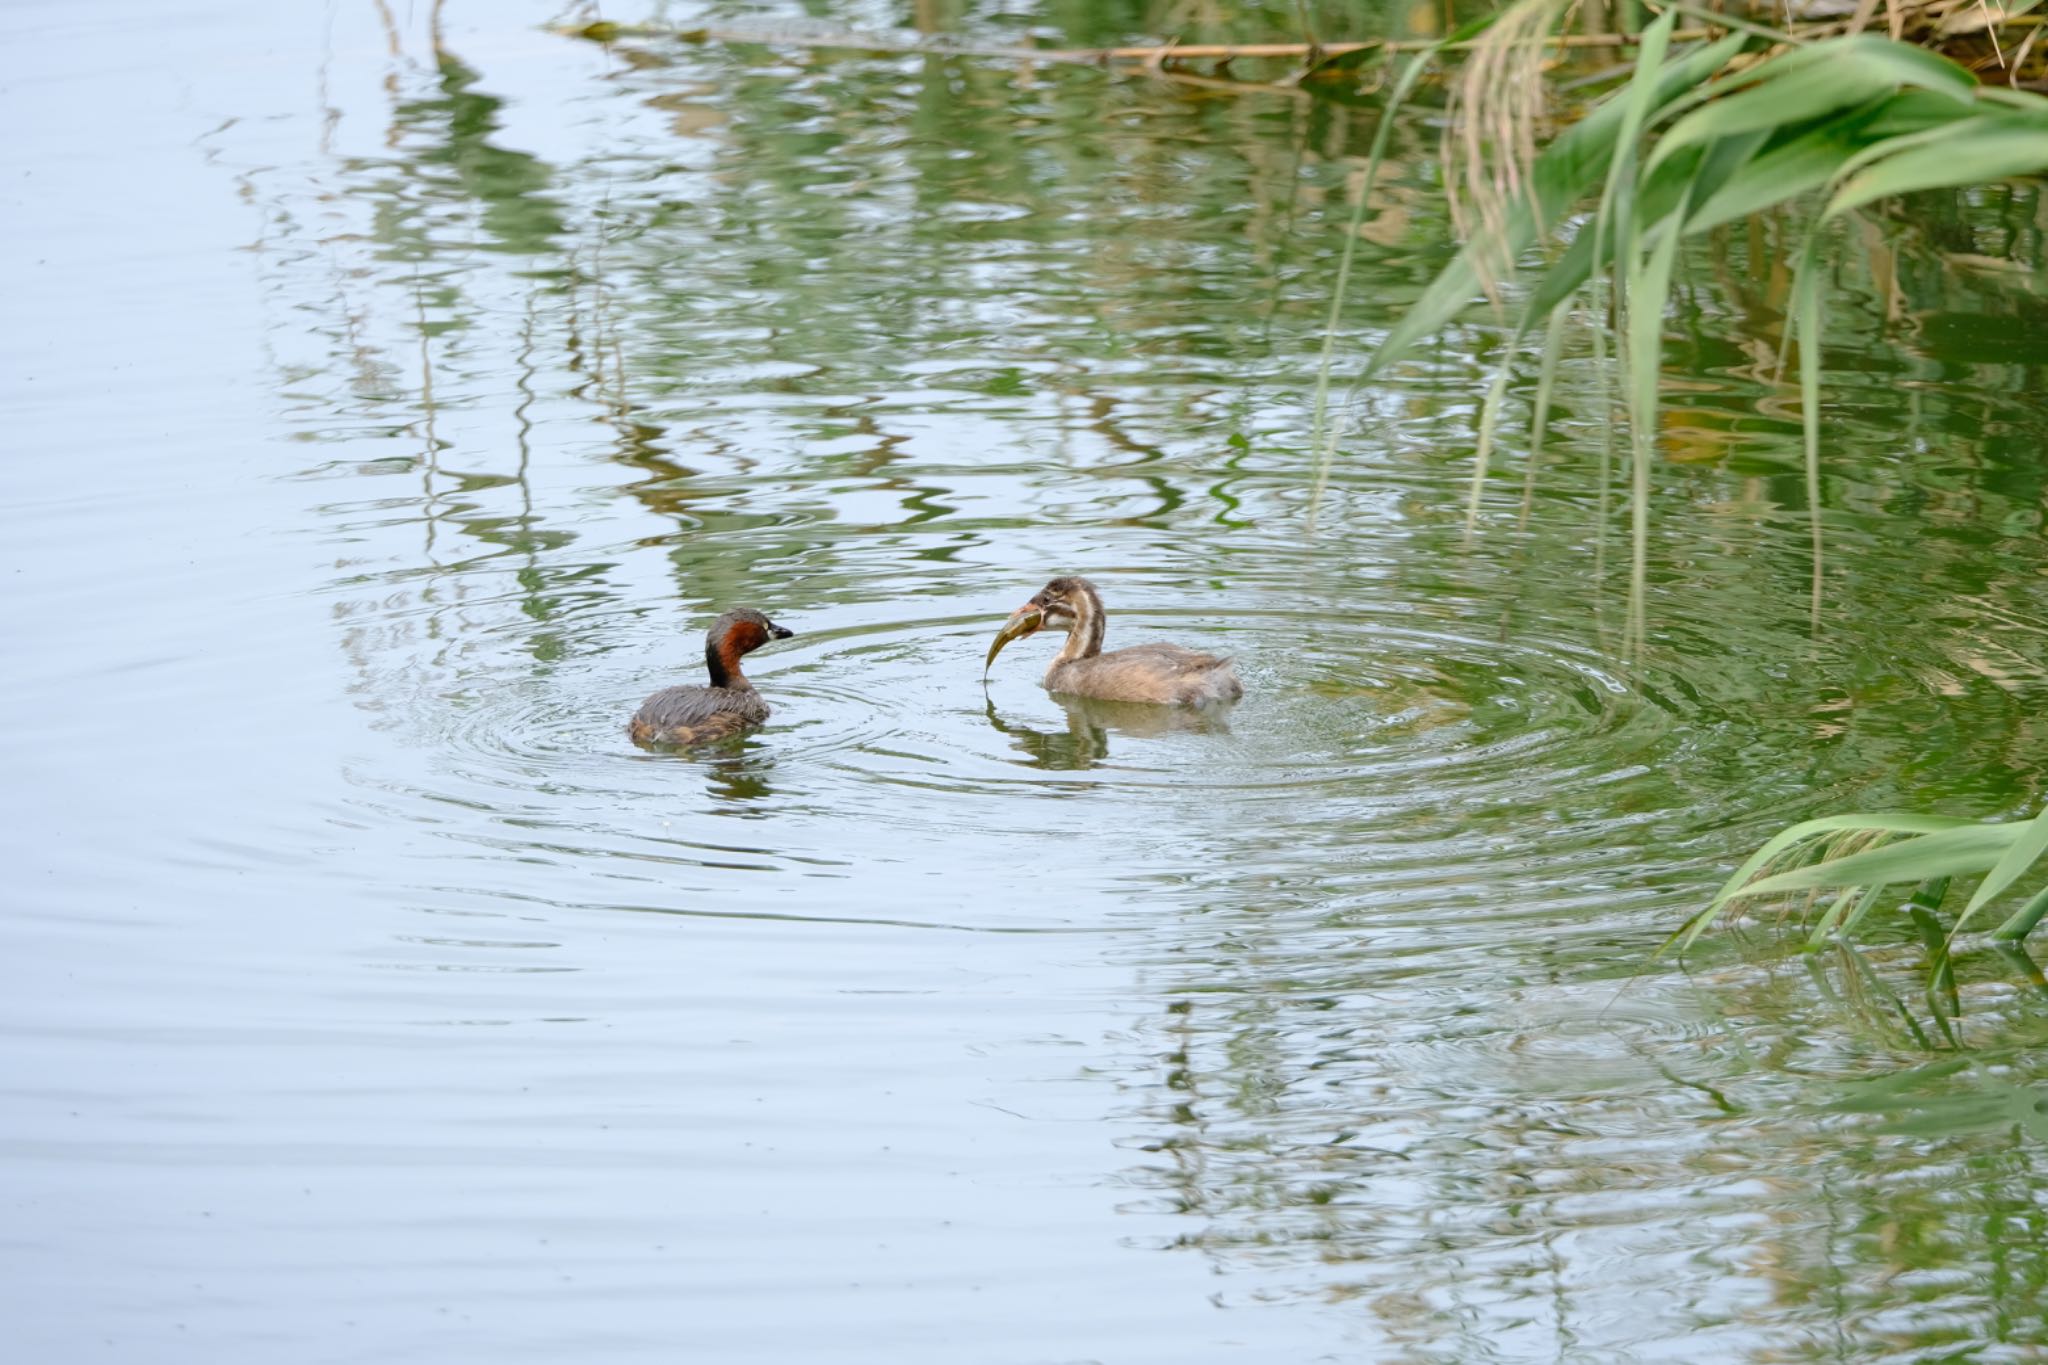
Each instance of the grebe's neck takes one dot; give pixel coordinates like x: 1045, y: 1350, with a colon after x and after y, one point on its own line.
x: 1084, y: 637
x: 722, y: 661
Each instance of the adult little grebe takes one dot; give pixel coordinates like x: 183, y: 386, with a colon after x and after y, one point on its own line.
x: 1162, y: 674
x: 699, y: 715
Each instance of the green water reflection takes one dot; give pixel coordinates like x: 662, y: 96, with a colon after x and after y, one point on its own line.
x: 879, y: 343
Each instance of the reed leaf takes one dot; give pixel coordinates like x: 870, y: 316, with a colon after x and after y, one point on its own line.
x: 1561, y: 176
x: 1788, y: 169
x: 1805, y: 325
x: 1637, y: 100
x: 1546, y: 383
x: 1825, y: 925
x: 1489, y: 419
x: 1986, y: 151
x: 1901, y: 64
x: 2022, y: 923
x: 2030, y: 843
x: 1643, y: 338
x: 1864, y: 854
x: 1322, y: 437
x: 1944, y: 853
x: 1864, y: 906
x: 1799, y: 839
x: 1808, y: 830
x: 1774, y: 105
x: 1856, y: 901
x: 1858, y: 117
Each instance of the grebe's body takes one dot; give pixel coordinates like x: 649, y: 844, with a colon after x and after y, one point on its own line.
x: 686, y: 716
x: 1160, y: 674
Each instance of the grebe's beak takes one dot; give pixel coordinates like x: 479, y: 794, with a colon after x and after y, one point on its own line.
x: 779, y: 632
x: 1022, y: 622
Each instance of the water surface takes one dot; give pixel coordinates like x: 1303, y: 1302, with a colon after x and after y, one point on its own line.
x: 388, y: 420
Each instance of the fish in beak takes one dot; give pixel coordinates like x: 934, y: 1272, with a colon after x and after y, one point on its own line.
x: 1022, y: 622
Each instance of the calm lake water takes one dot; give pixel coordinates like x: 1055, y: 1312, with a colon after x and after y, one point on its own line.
x: 383, y: 426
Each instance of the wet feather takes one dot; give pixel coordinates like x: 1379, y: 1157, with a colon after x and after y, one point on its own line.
x: 689, y: 716
x: 1159, y: 674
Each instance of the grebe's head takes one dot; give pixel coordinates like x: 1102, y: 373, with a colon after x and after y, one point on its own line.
x: 742, y: 631
x: 1060, y: 604
x: 1064, y: 601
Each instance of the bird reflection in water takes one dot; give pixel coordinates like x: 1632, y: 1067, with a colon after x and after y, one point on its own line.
x: 1090, y: 724
x: 739, y: 782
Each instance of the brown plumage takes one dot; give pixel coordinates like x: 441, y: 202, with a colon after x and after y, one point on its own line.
x: 730, y: 705
x: 1161, y: 674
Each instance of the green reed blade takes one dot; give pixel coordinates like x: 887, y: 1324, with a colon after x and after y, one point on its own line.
x: 1785, y: 172
x: 2022, y: 924
x: 1404, y: 85
x: 1489, y: 417
x: 1650, y: 282
x: 1826, y: 923
x: 1831, y: 824
x: 1867, y: 903
x: 1993, y: 150
x: 1559, y: 178
x: 1322, y: 437
x: 1539, y: 417
x: 2028, y: 847
x: 1949, y: 852
x: 1773, y: 105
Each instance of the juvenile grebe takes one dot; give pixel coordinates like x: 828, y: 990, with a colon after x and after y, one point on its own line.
x: 1161, y: 674
x: 700, y: 715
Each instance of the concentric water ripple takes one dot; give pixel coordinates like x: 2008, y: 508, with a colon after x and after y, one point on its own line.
x: 1366, y: 705
x: 1411, y: 737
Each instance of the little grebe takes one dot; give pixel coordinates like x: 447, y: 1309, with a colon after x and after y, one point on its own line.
x: 700, y: 715
x: 1161, y: 674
